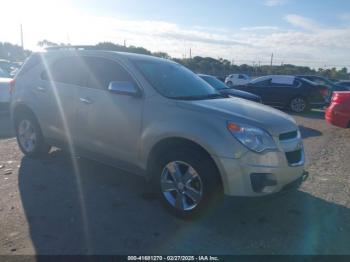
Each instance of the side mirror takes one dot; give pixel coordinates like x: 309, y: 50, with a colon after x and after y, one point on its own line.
x: 124, y: 88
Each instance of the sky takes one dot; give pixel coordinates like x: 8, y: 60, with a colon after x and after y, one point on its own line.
x: 313, y: 33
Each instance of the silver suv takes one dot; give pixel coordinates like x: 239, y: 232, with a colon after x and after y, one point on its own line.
x: 155, y: 118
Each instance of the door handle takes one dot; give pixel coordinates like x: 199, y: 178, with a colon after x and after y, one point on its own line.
x: 85, y: 100
x: 41, y: 89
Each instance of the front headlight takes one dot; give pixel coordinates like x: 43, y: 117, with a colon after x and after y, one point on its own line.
x: 254, y: 138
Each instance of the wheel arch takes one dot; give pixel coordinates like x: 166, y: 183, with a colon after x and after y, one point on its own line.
x: 176, y: 142
x: 21, y: 109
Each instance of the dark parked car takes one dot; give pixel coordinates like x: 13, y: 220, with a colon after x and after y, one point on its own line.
x: 345, y: 83
x: 325, y: 82
x: 225, y: 90
x: 294, y: 93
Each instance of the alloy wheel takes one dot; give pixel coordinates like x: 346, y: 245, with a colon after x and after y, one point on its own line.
x: 27, y: 135
x: 298, y: 104
x: 181, y: 185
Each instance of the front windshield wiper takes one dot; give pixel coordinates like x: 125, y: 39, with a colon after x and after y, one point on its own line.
x: 204, y: 97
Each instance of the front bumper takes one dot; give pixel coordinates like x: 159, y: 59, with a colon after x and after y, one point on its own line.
x: 237, y: 174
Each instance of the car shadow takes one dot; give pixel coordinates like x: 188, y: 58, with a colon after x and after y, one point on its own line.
x: 307, y: 132
x: 6, y: 129
x: 77, y: 206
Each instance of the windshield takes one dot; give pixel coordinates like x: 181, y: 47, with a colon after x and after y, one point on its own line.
x: 175, y: 81
x: 309, y: 82
x: 259, y: 79
x: 214, y: 82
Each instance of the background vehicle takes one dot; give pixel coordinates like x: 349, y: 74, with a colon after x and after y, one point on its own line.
x: 324, y: 82
x: 9, y: 67
x: 338, y: 113
x: 5, y: 82
x: 225, y: 90
x: 237, y: 79
x: 344, y: 83
x: 297, y: 94
x: 154, y: 117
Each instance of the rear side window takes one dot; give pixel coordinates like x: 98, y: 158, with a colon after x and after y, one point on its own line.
x: 29, y: 64
x: 68, y: 70
x: 103, y: 71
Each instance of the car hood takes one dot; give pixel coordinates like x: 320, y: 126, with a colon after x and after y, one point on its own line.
x: 4, y: 80
x: 245, y: 112
x: 239, y: 93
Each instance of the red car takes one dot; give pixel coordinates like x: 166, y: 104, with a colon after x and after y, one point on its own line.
x: 338, y: 113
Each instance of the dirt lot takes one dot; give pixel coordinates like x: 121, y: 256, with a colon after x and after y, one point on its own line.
x: 45, y: 208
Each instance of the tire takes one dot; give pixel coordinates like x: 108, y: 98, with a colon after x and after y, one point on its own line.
x: 229, y: 84
x: 298, y: 104
x: 29, y: 136
x: 198, y: 182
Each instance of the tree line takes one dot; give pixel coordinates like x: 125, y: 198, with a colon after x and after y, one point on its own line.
x: 205, y: 65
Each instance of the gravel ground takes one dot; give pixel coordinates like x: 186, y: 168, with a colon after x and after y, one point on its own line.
x: 46, y: 208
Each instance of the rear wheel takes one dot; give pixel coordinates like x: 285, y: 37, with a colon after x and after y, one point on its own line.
x: 298, y: 104
x: 188, y: 182
x: 29, y: 136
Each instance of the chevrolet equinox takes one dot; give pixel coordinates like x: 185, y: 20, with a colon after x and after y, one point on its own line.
x: 155, y: 118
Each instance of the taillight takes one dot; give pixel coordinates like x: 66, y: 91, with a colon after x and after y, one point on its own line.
x: 324, y: 91
x: 340, y: 97
x: 12, y: 86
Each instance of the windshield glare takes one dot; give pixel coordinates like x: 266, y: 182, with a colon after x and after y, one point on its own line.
x: 175, y: 81
x: 214, y: 82
x: 259, y: 79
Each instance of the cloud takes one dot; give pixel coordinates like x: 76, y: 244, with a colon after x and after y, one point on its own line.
x: 309, y: 43
x: 301, y: 22
x: 219, y: 40
x: 274, y: 2
x: 344, y: 17
x: 260, y: 28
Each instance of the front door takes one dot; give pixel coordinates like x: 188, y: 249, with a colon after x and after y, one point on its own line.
x: 111, y: 121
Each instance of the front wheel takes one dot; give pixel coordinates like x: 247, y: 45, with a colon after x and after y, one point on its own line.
x: 29, y: 136
x: 229, y: 84
x: 188, y: 182
x: 298, y: 105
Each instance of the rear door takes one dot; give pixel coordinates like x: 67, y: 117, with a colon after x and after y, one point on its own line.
x: 58, y: 91
x: 282, y: 93
x: 111, y: 122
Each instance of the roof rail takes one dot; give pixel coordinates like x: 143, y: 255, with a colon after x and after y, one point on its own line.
x: 71, y: 47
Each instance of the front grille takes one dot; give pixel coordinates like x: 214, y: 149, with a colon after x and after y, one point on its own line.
x: 294, y: 157
x: 289, y: 135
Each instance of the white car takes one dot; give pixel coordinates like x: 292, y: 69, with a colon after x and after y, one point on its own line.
x: 5, y: 82
x: 237, y: 79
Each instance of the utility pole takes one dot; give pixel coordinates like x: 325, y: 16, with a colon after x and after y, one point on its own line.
x: 22, y: 37
x: 271, y: 63
x: 124, y: 42
x: 190, y: 53
x: 271, y: 60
